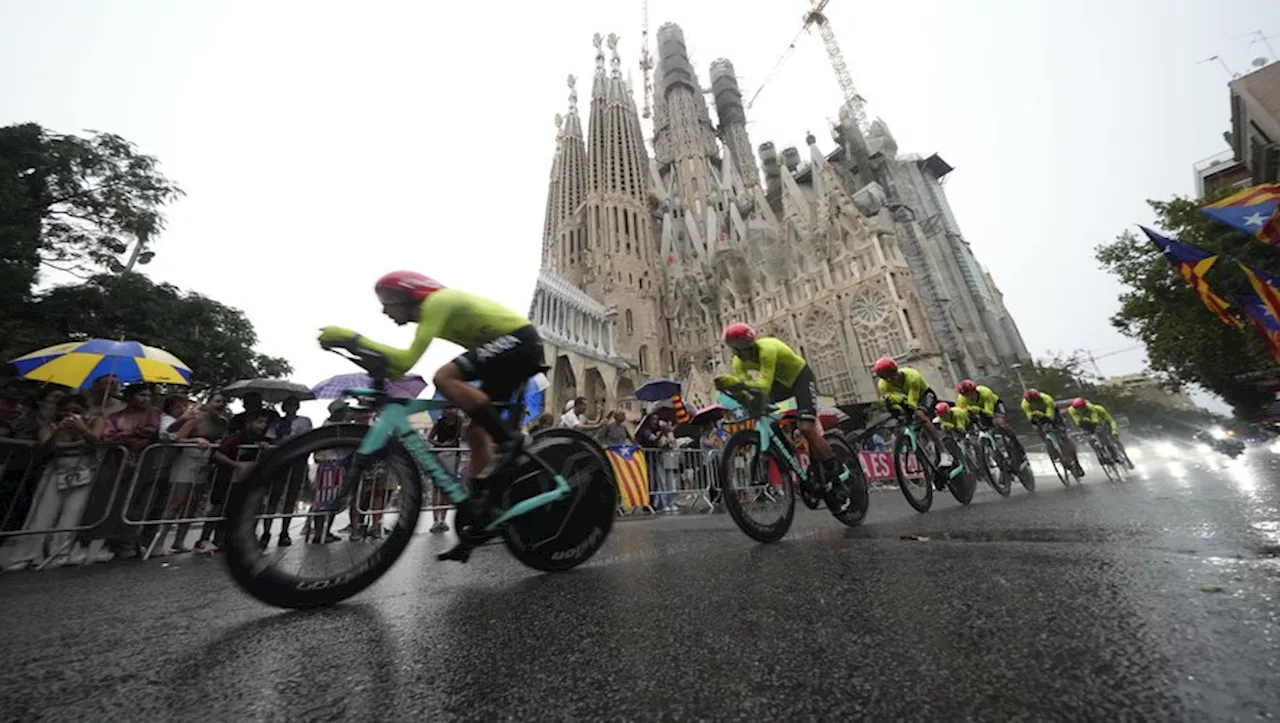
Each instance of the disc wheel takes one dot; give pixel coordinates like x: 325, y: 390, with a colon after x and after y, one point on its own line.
x: 566, y: 533
x: 856, y: 488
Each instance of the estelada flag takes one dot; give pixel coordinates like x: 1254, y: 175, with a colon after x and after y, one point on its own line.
x: 1255, y: 211
x: 1266, y: 286
x: 1192, y: 264
x: 1263, y: 321
x: 632, y: 474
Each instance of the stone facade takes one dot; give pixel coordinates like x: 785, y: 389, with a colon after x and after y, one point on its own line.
x: 845, y: 254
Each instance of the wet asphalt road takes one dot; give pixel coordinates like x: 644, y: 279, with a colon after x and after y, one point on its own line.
x: 1070, y: 604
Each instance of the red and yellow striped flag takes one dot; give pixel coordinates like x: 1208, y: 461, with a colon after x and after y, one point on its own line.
x: 632, y: 474
x: 682, y: 413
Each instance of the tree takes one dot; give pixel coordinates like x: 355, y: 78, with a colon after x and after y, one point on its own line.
x: 75, y: 204
x: 1065, y: 377
x: 216, y: 341
x: 1183, y: 339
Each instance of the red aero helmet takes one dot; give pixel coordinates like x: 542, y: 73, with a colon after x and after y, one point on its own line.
x: 1079, y: 403
x: 942, y: 409
x: 885, y: 365
x: 966, y: 387
x: 740, y: 332
x: 402, y: 287
x: 1031, y: 395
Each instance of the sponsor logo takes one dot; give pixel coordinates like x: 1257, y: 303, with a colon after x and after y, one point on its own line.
x: 579, y: 549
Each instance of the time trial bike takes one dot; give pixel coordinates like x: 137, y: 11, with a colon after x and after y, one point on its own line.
x: 761, y: 462
x: 552, y: 503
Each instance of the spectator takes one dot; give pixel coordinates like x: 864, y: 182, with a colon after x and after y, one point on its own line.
x: 446, y: 435
x: 290, y: 482
x: 656, y: 436
x: 234, y: 457
x: 63, y: 491
x: 135, y: 427
x: 574, y: 416
x: 200, y: 429
x: 544, y: 421
x: 330, y: 471
x: 615, y: 433
x: 252, y: 405
x: 104, y: 396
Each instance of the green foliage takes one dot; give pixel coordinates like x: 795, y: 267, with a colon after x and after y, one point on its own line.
x: 1183, y: 339
x: 87, y: 200
x: 1067, y: 377
x: 216, y: 341
x: 77, y: 204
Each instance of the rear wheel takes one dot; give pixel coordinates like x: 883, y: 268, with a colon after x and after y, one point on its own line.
x: 913, y: 475
x: 1057, y: 459
x: 856, y: 488
x: 748, y: 476
x: 963, y: 484
x: 310, y: 576
x: 566, y: 533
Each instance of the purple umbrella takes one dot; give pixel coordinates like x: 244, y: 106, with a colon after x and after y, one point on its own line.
x: 656, y: 390
x: 408, y: 387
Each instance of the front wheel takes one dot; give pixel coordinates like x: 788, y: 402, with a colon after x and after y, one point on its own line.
x: 855, y: 488
x: 301, y: 576
x: 748, y: 475
x: 997, y: 465
x: 905, y: 456
x: 568, y: 532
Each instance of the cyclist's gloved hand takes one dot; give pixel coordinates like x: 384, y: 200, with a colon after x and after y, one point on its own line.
x: 725, y: 381
x: 337, y: 336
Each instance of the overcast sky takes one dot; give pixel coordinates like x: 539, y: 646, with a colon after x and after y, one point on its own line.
x: 323, y: 143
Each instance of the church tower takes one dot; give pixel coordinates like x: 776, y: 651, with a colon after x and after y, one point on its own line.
x: 565, y: 233
x: 621, y: 257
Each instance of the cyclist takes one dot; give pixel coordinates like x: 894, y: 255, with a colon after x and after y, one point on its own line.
x: 950, y: 417
x: 782, y: 373
x: 905, y: 388
x: 1089, y: 416
x: 1038, y: 405
x: 980, y: 400
x: 503, y: 349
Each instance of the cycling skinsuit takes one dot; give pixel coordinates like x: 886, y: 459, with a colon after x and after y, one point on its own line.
x: 503, y: 348
x: 988, y: 402
x: 915, y: 391
x: 1092, y: 416
x: 957, y: 419
x: 1044, y: 409
x: 782, y: 374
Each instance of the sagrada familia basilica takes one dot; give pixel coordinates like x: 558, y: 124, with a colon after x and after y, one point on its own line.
x: 845, y: 253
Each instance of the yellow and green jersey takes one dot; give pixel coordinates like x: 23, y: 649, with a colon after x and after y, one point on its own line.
x: 775, y: 362
x: 465, y: 319
x: 910, y: 390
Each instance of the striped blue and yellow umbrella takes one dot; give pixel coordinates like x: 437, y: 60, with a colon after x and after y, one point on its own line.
x: 77, y: 364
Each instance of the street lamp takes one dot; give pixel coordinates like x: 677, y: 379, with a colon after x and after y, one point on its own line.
x: 1017, y: 369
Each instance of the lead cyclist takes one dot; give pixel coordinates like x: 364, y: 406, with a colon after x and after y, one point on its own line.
x: 503, y: 349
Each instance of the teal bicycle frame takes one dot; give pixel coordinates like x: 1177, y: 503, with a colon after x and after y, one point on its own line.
x: 913, y: 434
x: 765, y: 428
x: 393, y: 419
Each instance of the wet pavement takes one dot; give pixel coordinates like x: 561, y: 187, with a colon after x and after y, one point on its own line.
x: 1150, y: 599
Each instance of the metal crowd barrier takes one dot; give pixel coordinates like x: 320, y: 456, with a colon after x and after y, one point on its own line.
x: 63, y: 505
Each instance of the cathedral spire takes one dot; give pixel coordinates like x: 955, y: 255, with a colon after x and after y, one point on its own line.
x: 564, y: 235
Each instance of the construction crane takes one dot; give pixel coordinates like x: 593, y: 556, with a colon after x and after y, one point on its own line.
x: 646, y: 60
x: 852, y: 98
